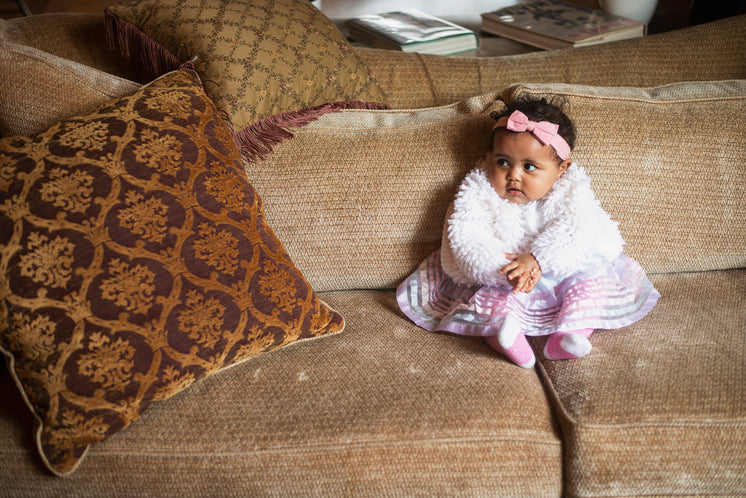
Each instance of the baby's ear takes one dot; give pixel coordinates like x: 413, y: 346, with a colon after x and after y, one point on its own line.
x: 564, y: 165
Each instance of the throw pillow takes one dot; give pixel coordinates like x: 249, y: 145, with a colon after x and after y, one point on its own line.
x: 40, y: 89
x: 258, y: 57
x: 135, y: 259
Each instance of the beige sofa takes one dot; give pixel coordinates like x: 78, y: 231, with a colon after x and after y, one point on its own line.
x: 357, y: 197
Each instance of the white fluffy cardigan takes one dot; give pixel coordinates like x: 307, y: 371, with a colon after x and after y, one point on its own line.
x: 564, y: 230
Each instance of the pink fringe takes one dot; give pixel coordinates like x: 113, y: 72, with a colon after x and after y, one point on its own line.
x: 137, y: 47
x: 256, y: 140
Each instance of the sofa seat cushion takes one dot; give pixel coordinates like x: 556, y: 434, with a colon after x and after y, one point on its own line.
x: 385, y: 408
x: 659, y: 408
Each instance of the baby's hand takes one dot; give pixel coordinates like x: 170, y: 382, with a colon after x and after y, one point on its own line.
x: 523, y: 272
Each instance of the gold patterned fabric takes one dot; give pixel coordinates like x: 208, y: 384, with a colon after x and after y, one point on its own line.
x: 135, y: 260
x: 259, y: 57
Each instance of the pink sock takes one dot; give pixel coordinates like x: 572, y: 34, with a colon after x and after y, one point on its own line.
x: 568, y: 345
x: 519, y: 352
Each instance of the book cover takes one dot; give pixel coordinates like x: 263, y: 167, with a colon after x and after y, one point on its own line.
x: 411, y: 31
x: 555, y: 24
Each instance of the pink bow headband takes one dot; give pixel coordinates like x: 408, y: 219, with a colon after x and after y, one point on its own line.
x: 544, y: 131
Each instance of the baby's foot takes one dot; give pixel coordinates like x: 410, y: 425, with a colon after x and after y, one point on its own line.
x: 509, y: 332
x: 511, y: 342
x: 568, y: 345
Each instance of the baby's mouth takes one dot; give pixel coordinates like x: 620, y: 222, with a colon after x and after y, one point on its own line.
x: 515, y: 191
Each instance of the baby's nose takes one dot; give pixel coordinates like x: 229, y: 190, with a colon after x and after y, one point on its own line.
x: 514, y: 172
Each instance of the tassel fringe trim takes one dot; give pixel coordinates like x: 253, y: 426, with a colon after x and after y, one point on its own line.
x: 135, y: 46
x: 256, y: 140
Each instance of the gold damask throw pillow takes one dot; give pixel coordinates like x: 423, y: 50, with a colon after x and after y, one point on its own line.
x: 258, y: 58
x: 135, y: 259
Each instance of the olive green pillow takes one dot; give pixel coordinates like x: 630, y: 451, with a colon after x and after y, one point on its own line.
x: 259, y: 58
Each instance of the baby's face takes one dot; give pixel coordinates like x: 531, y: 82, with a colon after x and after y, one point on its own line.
x: 522, y: 169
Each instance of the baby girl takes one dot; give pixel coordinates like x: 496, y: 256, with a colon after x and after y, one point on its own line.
x: 527, y: 249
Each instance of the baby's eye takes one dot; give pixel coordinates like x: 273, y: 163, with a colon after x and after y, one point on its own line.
x: 501, y: 163
x: 529, y: 167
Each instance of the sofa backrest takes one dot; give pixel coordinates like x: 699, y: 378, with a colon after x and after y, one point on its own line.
x: 712, y: 51
x: 78, y: 37
x: 370, y: 188
x: 668, y: 163
x: 40, y: 89
x: 359, y: 197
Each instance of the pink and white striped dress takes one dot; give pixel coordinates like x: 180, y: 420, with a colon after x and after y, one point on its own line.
x: 587, y: 282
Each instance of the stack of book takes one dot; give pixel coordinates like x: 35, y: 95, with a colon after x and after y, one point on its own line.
x: 551, y: 24
x: 411, y: 31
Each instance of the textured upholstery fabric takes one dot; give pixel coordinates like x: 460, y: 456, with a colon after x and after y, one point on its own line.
x: 390, y: 409
x: 259, y: 58
x: 136, y: 260
x: 383, y: 167
x: 664, y: 163
x: 651, y: 61
x: 431, y: 80
x: 383, y: 409
x: 664, y: 397
x: 415, y: 87
x: 75, y: 36
x: 369, y: 189
x: 659, y: 408
x: 40, y: 89
x: 629, y: 405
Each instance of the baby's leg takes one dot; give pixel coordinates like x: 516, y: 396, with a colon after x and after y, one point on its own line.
x: 511, y: 342
x: 568, y: 345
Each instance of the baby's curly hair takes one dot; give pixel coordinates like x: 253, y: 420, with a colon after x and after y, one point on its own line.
x: 541, y: 109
